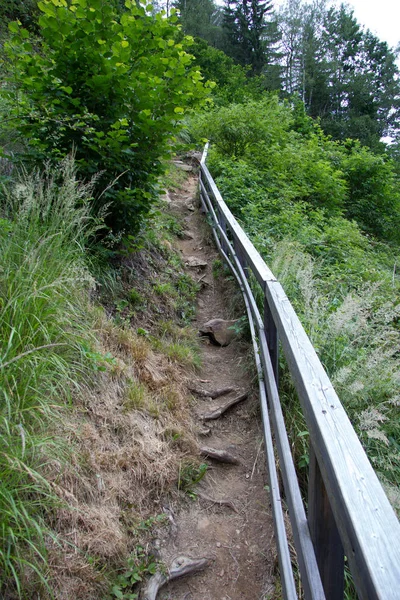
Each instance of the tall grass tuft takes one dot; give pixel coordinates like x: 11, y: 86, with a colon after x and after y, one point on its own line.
x: 44, y: 285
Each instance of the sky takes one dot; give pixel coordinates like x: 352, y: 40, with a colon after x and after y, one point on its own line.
x: 382, y: 17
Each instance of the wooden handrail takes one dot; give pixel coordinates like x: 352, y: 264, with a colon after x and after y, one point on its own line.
x: 348, y: 511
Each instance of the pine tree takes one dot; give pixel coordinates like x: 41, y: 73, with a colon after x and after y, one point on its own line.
x: 201, y: 18
x: 250, y: 36
x: 345, y: 75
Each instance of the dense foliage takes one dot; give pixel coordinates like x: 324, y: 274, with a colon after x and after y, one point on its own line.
x: 293, y: 159
x: 110, y: 86
x: 321, y: 213
x: 250, y: 37
x: 13, y: 10
x: 232, y: 81
x: 343, y: 73
x: 114, y: 83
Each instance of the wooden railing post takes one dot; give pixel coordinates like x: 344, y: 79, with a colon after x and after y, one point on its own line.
x: 324, y: 534
x: 222, y: 222
x: 241, y: 257
x: 271, y: 334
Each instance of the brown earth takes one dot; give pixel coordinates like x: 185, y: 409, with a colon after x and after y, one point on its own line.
x: 238, y: 537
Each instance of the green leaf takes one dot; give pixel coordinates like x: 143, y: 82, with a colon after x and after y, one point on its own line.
x: 117, y: 592
x: 13, y: 27
x: 179, y: 110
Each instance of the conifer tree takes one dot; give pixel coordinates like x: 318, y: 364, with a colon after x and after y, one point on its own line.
x: 345, y: 75
x: 201, y: 18
x: 249, y: 36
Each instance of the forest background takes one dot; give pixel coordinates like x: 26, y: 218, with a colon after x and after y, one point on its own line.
x: 298, y: 105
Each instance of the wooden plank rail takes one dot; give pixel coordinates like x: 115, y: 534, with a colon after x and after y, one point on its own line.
x: 348, y: 511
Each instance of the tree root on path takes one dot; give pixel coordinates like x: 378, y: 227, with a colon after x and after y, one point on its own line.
x: 180, y: 566
x: 227, y: 503
x: 213, y: 394
x: 219, y: 455
x: 215, y: 414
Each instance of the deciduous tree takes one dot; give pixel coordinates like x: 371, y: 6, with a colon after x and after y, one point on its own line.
x: 110, y: 86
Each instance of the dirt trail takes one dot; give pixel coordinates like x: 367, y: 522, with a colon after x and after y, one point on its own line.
x: 238, y: 537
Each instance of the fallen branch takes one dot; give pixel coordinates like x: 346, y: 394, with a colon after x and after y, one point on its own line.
x: 219, y: 455
x: 213, y: 394
x: 215, y: 414
x: 180, y: 566
x: 227, y: 503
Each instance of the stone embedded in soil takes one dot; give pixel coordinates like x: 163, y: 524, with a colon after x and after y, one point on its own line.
x: 220, y: 331
x: 195, y: 263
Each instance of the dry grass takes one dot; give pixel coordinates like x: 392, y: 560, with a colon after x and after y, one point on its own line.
x: 125, y: 432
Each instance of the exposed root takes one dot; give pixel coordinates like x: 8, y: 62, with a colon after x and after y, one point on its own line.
x: 213, y: 393
x: 219, y: 455
x: 204, y: 431
x: 227, y: 503
x: 180, y: 566
x: 215, y: 414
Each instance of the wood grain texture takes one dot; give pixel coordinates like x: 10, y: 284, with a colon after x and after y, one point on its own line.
x: 369, y: 529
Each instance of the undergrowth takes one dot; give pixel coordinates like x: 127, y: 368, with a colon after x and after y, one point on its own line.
x: 44, y: 324
x: 95, y: 353
x: 342, y: 281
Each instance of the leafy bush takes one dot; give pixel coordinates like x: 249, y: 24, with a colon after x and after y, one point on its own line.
x: 292, y: 188
x: 233, y: 81
x: 239, y: 128
x: 373, y: 199
x: 44, y: 288
x: 113, y: 87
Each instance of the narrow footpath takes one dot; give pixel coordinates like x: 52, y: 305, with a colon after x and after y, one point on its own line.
x: 230, y: 520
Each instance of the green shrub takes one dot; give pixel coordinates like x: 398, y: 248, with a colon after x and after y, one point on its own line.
x: 240, y: 128
x: 292, y: 191
x: 233, y: 81
x: 373, y: 199
x: 113, y: 87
